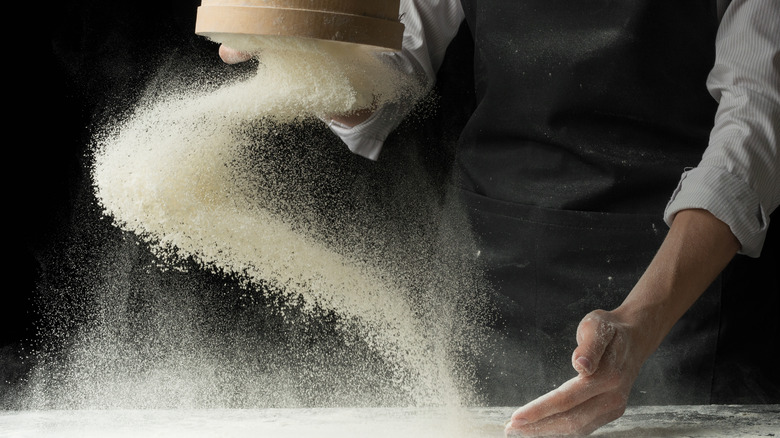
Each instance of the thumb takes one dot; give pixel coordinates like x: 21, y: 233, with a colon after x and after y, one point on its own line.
x: 593, y: 336
x: 232, y: 56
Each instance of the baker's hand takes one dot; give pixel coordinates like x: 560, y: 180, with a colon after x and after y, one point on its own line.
x: 607, y: 359
x: 232, y: 56
x: 613, y: 345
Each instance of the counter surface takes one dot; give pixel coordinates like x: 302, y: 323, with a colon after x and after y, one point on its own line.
x: 638, y: 421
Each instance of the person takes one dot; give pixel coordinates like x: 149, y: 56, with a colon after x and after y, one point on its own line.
x: 587, y: 112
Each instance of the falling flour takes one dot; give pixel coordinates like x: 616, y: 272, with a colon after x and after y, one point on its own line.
x: 194, y: 174
x: 173, y: 175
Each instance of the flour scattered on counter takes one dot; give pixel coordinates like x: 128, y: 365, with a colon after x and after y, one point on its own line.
x: 710, y: 421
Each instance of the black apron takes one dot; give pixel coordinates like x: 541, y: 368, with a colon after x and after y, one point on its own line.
x: 587, y: 113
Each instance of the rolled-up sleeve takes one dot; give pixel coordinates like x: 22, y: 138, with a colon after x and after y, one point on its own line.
x: 738, y: 178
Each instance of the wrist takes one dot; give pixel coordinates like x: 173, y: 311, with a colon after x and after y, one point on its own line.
x: 647, y: 325
x: 696, y: 249
x: 353, y: 119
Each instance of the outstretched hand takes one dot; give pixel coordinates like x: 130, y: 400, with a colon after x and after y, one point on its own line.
x: 612, y: 346
x: 607, y: 360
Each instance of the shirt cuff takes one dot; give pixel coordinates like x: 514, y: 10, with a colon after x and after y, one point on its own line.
x: 367, y: 138
x: 728, y: 198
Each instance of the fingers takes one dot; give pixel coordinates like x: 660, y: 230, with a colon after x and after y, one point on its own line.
x: 594, y: 334
x: 597, y: 395
x: 581, y: 420
x: 568, y: 396
x: 232, y: 56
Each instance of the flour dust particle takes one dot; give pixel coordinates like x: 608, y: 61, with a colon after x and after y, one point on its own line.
x: 372, y: 302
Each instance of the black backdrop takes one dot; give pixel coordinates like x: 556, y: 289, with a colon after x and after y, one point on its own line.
x: 94, y: 60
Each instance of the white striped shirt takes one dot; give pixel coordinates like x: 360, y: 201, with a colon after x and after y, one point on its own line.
x: 738, y: 178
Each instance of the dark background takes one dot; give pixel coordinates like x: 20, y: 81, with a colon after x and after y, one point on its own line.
x: 93, y: 60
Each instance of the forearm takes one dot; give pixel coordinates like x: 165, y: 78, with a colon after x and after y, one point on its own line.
x: 694, y: 252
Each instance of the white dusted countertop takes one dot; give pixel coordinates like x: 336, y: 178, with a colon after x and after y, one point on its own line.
x: 638, y: 421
